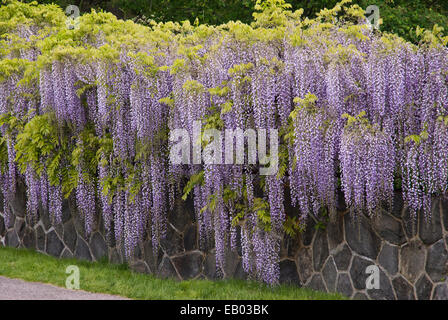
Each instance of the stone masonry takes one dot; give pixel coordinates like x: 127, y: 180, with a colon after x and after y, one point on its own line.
x: 410, y: 253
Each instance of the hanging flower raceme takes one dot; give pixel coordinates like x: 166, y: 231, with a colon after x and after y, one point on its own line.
x: 313, y: 179
x: 424, y: 166
x: 85, y: 199
x: 367, y: 158
x: 88, y: 113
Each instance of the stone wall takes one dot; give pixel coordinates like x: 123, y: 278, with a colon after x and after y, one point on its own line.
x: 329, y: 256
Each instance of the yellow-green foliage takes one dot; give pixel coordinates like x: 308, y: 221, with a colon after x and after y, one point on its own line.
x: 103, y: 39
x: 273, y: 21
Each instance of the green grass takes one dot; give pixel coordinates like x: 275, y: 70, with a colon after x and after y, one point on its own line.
x: 101, y: 277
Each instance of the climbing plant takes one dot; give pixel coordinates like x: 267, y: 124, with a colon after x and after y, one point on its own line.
x: 88, y: 113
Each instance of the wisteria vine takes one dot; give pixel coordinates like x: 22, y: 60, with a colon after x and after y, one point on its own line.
x: 87, y: 113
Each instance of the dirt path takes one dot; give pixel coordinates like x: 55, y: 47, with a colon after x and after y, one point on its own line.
x: 15, y: 289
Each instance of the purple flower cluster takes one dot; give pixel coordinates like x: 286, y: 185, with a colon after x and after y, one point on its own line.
x: 367, y: 167
x: 370, y: 110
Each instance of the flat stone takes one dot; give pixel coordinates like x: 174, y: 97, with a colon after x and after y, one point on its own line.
x: 241, y: 275
x: 114, y: 256
x: 358, y: 272
x: 397, y: 205
x: 388, y: 258
x: 9, y: 223
x: 320, y: 250
x: 444, y: 212
x: 182, y: 214
x: 110, y: 238
x: 335, y: 232
x: 166, y: 269
x: 31, y: 221
x: 409, y: 224
x: 139, y: 267
x: 389, y: 229
x: 329, y: 274
x: 173, y: 242
x: 423, y: 288
x: 11, y: 239
x: 307, y: 235
x: 288, y: 273
x: 29, y: 239
x: 122, y: 252
x: 19, y: 227
x: 54, y: 244
x: 66, y: 212
x: 45, y: 218
x: 360, y: 236
x: 79, y: 224
x: 210, y: 266
x: 149, y: 255
x: 437, y: 261
x: 290, y: 247
x: 70, y: 235
x: 190, y: 238
x: 137, y: 253
x: 340, y: 200
x: 430, y: 230
x: 82, y: 250
x: 18, y: 203
x: 283, y: 248
x: 66, y: 254
x: 100, y: 224
x: 293, y: 247
x: 2, y: 226
x: 316, y: 283
x: 305, y: 264
x: 342, y: 257
x: 231, y: 262
x: 385, y: 292
x: 440, y: 292
x: 344, y: 285
x: 59, y: 228
x: 403, y: 289
x: 189, y: 265
x: 412, y: 257
x: 360, y: 296
x: 98, y: 247
x: 40, y: 234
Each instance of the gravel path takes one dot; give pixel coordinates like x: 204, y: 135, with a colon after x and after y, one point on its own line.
x: 15, y: 289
